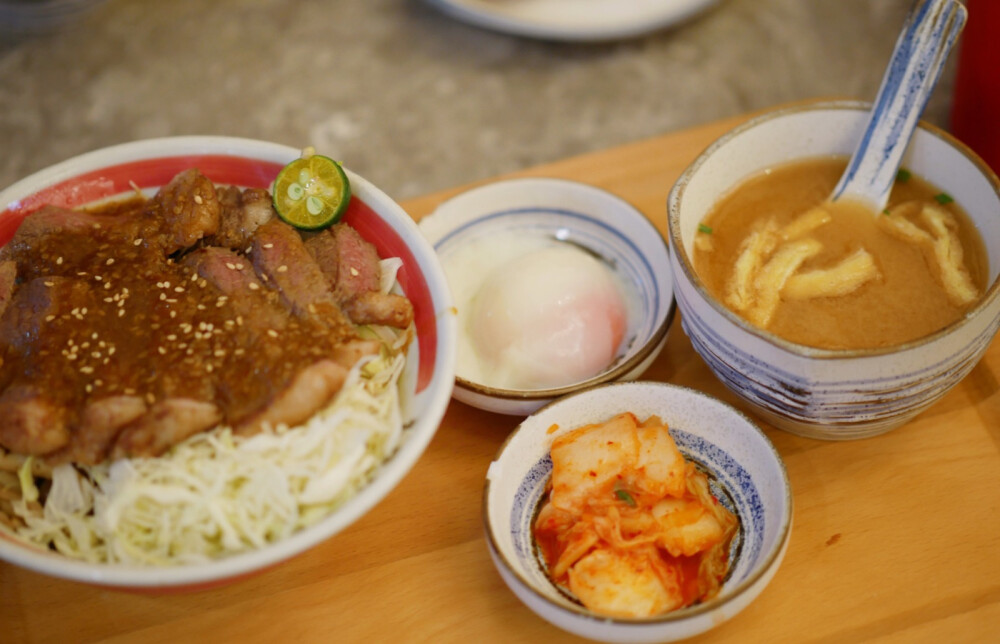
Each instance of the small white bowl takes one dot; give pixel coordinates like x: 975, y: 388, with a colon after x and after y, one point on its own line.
x: 749, y: 477
x: 821, y: 393
x: 426, y: 383
x: 588, y: 217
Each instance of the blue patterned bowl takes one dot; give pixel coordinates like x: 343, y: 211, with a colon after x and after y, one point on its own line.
x: 822, y: 393
x: 746, y: 474
x: 595, y: 220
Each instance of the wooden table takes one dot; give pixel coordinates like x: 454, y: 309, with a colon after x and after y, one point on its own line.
x: 895, y: 538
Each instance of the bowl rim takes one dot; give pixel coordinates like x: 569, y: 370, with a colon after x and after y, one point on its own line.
x: 620, y: 369
x: 388, y: 475
x: 679, y: 615
x: 684, y: 261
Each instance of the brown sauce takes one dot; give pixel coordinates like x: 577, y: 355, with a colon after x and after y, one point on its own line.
x: 130, y: 322
x: 906, y: 302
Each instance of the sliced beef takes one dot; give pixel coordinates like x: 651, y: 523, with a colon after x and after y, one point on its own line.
x: 186, y: 209
x: 242, y: 212
x: 233, y: 275
x: 8, y: 277
x: 281, y: 259
x: 53, y: 239
x: 31, y: 423
x: 308, y: 392
x: 350, y: 263
x: 352, y: 268
x: 99, y: 426
x: 167, y: 423
x: 34, y: 303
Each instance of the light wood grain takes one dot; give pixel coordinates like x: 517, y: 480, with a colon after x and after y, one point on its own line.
x: 896, y: 538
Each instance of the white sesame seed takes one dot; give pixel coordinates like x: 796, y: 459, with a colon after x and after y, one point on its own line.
x: 253, y: 286
x: 121, y: 312
x: 161, y: 351
x: 282, y: 268
x: 208, y: 368
x: 137, y: 242
x: 239, y: 267
x: 49, y: 318
x: 178, y: 289
x: 231, y: 266
x: 198, y: 200
x: 111, y: 260
x: 87, y: 370
x: 268, y: 245
x: 272, y: 333
x: 354, y: 271
x: 59, y: 261
x: 49, y: 283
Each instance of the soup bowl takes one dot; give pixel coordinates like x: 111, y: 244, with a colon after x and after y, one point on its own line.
x: 824, y: 393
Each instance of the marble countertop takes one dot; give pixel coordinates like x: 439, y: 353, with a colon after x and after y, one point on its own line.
x: 410, y: 98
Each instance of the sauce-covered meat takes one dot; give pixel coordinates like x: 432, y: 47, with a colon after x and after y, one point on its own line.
x: 125, y: 330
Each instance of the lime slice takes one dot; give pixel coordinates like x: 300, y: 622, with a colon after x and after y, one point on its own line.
x: 311, y: 192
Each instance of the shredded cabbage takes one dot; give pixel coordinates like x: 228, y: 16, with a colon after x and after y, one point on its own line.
x: 217, y: 494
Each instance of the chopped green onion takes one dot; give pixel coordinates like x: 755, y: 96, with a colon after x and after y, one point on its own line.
x: 903, y: 175
x: 626, y: 497
x: 885, y: 212
x: 702, y: 228
x: 943, y: 198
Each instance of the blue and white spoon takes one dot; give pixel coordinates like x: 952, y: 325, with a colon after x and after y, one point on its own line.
x: 931, y: 29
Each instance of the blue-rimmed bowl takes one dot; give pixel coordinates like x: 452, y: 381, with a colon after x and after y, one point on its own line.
x: 823, y: 393
x: 590, y: 218
x: 745, y: 472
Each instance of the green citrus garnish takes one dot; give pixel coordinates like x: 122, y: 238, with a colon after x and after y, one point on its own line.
x: 311, y: 192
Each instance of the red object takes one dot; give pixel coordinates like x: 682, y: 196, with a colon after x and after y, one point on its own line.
x: 975, y: 112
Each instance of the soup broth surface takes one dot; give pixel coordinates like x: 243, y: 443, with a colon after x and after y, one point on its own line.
x: 906, y: 301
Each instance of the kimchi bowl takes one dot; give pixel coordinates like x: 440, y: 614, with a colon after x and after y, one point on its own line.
x: 746, y: 475
x: 424, y: 381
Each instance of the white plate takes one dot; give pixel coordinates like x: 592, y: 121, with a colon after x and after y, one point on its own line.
x: 573, y: 20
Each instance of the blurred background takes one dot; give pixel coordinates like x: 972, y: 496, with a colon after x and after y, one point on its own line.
x: 409, y: 97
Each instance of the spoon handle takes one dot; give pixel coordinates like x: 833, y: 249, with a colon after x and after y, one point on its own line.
x: 931, y: 30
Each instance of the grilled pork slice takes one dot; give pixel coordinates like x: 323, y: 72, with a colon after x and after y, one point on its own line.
x: 374, y: 307
x: 310, y: 390
x: 100, y: 423
x: 351, y: 266
x: 242, y: 212
x: 30, y: 423
x: 167, y: 423
x: 187, y: 209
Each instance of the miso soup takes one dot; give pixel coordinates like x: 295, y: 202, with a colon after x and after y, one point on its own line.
x: 838, y: 275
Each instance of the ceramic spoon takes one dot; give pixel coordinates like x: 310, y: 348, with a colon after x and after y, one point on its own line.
x: 931, y: 29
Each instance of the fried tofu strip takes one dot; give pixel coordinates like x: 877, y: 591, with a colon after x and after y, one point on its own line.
x: 773, y: 276
x: 941, y: 245
x: 753, y: 251
x: 845, y: 277
x: 948, y: 253
x: 805, y: 223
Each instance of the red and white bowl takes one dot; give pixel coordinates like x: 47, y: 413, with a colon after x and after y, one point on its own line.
x: 427, y: 381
